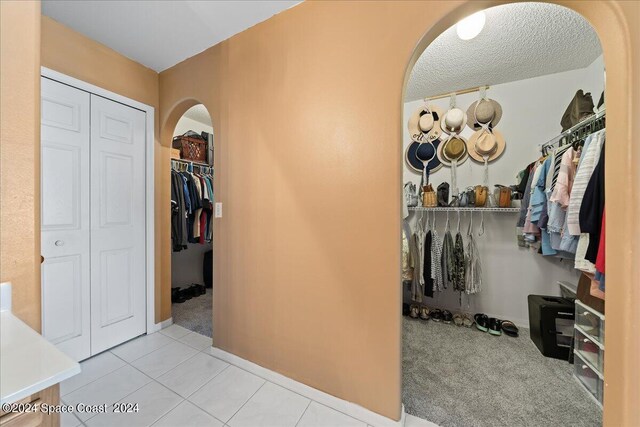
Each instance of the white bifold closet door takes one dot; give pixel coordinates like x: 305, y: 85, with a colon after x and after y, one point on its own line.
x: 118, y: 291
x: 93, y: 221
x: 64, y: 217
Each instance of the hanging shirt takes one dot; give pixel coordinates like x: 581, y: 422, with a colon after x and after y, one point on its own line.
x: 592, y: 209
x: 583, y: 175
x: 428, y: 280
x: 436, y: 265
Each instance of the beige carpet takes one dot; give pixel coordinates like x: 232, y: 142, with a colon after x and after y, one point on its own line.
x: 195, y: 314
x: 455, y: 376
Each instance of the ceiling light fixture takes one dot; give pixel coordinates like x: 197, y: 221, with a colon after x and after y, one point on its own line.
x: 471, y: 26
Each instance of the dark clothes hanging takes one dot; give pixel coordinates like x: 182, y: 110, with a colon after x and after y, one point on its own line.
x: 426, y: 273
x: 592, y: 208
x: 186, y: 203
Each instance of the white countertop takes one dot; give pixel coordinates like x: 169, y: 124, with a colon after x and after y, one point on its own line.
x: 28, y: 362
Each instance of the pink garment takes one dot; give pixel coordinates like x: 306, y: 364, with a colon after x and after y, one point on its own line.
x: 600, y: 257
x: 566, y: 174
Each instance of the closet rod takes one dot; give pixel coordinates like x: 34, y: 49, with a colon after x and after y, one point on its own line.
x: 461, y: 209
x: 191, y: 162
x: 458, y: 92
x: 599, y: 114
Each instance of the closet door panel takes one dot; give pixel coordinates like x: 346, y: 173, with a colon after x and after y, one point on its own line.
x: 65, y: 226
x: 118, y: 257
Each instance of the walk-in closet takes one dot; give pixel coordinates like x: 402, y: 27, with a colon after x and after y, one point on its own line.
x: 192, y: 211
x: 503, y: 276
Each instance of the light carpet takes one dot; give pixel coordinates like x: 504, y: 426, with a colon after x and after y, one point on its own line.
x: 195, y: 314
x: 456, y: 376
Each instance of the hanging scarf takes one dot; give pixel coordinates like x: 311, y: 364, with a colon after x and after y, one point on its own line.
x: 459, y: 264
x: 436, y: 266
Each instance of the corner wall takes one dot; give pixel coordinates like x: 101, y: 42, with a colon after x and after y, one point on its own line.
x: 20, y: 156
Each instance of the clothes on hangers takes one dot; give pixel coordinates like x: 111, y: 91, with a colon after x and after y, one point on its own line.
x: 436, y: 266
x: 191, y: 208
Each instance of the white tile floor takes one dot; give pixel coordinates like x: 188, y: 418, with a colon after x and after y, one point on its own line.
x: 176, y: 382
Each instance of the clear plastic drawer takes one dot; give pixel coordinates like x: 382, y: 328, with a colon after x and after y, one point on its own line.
x: 589, y: 350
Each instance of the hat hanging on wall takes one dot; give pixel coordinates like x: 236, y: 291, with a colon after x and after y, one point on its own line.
x: 491, y: 144
x: 416, y: 153
x: 454, y: 121
x: 424, y: 123
x: 486, y: 143
x: 484, y: 111
x: 453, y: 149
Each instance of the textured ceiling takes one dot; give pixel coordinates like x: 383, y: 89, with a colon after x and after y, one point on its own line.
x: 519, y: 41
x: 199, y: 113
x: 159, y: 34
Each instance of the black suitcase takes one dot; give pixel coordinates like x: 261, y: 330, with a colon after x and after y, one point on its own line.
x: 551, y: 325
x: 207, y: 269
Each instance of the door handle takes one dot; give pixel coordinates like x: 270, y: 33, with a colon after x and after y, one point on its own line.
x: 41, y: 259
x: 59, y: 243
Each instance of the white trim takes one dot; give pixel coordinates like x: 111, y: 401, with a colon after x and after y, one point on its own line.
x: 164, y: 324
x: 150, y: 194
x: 348, y: 408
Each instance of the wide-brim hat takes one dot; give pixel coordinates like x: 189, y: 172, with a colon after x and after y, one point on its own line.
x: 425, y: 123
x: 487, y: 111
x: 483, y: 143
x: 453, y: 121
x: 415, y: 164
x: 456, y: 150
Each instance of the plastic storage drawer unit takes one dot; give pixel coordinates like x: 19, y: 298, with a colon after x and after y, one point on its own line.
x: 590, y: 322
x: 589, y: 378
x: 589, y: 350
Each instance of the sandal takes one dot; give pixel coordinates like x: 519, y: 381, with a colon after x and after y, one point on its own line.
x: 495, y: 326
x: 413, y: 311
x: 467, y: 321
x: 458, y: 319
x: 447, y: 317
x: 436, y: 315
x: 482, y: 322
x: 510, y: 328
x: 424, y: 313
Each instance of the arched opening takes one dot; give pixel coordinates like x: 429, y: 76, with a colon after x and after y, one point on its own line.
x: 456, y: 375
x: 191, y: 230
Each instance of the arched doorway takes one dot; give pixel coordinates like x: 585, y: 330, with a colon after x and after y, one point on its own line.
x: 595, y: 19
x: 192, y: 210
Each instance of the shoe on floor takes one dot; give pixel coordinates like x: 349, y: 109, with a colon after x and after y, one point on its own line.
x: 482, y: 322
x: 414, y: 311
x: 436, y: 315
x: 447, y: 316
x: 509, y: 328
x: 424, y: 313
x: 495, y: 326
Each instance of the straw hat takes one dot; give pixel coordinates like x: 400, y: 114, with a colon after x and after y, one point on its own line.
x: 486, y: 143
x: 453, y: 121
x: 454, y: 148
x: 484, y: 111
x: 424, y: 123
x: 417, y: 152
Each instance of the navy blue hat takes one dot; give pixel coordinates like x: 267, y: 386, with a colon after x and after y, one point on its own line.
x: 417, y: 151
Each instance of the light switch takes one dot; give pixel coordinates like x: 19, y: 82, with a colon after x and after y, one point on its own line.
x: 218, y: 213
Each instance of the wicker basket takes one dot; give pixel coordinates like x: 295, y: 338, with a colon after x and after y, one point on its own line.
x: 194, y: 149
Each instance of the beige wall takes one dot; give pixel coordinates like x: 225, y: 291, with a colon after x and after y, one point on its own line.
x: 73, y: 54
x: 20, y: 155
x: 308, y: 127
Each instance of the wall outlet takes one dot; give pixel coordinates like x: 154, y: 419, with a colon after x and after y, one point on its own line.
x: 218, y: 213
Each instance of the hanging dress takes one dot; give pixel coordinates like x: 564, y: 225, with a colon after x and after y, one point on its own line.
x: 447, y: 260
x: 473, y: 272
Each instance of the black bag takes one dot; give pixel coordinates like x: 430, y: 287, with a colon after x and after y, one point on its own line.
x: 207, y: 269
x: 443, y: 194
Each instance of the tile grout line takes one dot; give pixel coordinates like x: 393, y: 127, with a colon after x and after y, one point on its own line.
x: 292, y: 391
x: 247, y: 401
x: 304, y: 412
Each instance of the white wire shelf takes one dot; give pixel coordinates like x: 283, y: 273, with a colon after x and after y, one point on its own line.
x: 469, y: 209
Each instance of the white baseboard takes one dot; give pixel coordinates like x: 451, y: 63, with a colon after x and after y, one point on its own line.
x: 161, y: 325
x: 348, y: 408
